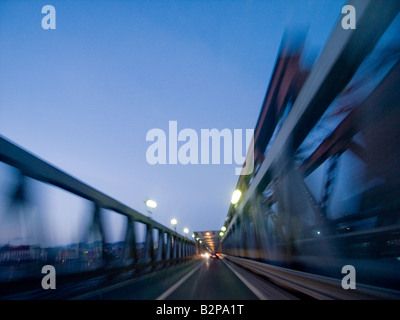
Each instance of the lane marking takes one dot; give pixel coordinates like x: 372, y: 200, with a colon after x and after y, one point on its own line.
x: 252, y: 288
x: 116, y: 286
x: 179, y: 283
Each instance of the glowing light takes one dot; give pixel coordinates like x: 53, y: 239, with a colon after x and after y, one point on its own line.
x: 236, y: 196
x: 151, y: 203
x: 186, y: 230
x: 174, y: 222
x: 223, y: 229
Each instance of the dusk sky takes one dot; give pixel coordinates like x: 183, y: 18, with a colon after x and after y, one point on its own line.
x: 84, y: 96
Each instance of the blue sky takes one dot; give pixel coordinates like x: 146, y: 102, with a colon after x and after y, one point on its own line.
x: 83, y: 96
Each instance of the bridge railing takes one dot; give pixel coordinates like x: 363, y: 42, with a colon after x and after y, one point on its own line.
x: 290, y: 213
x: 28, y: 241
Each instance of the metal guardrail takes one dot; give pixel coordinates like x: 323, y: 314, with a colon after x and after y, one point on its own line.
x: 315, y: 286
x: 278, y: 219
x: 343, y: 54
x: 172, y: 247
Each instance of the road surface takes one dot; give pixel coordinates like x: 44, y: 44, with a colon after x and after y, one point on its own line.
x: 199, y: 279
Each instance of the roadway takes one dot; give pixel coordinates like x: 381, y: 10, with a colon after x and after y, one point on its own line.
x: 211, y: 280
x: 198, y: 279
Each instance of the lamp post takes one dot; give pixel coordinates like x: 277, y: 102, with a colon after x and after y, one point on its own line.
x: 174, y: 222
x: 236, y: 196
x: 186, y: 231
x: 150, y: 204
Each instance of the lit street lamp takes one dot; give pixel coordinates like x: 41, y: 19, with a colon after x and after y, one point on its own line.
x: 236, y: 196
x: 150, y: 204
x: 186, y: 231
x: 174, y: 222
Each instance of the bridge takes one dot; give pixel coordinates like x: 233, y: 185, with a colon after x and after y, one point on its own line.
x: 324, y: 195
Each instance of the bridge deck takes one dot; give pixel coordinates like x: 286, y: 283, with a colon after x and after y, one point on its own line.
x: 200, y: 279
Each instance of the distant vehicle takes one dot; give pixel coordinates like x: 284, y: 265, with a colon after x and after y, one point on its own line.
x: 214, y: 255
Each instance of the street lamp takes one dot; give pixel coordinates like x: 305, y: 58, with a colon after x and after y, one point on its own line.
x: 186, y: 231
x: 236, y: 196
x: 223, y: 229
x: 150, y: 204
x: 174, y: 222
